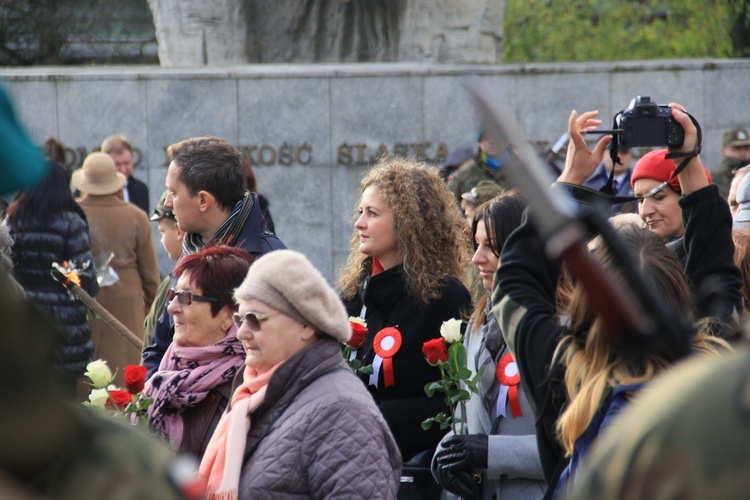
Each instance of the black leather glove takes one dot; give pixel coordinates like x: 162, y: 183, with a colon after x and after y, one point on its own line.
x: 459, y: 483
x: 463, y: 453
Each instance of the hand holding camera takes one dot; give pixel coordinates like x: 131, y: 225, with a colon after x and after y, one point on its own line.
x: 642, y: 124
x: 693, y: 176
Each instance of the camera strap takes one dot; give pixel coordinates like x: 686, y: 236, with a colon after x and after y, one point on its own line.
x: 687, y: 157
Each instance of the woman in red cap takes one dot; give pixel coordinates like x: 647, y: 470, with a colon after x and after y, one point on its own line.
x: 660, y: 211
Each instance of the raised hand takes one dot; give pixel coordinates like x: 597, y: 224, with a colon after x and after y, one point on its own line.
x: 580, y: 161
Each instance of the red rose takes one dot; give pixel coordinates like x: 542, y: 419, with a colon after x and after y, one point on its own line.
x: 358, y: 334
x: 121, y: 399
x: 135, y: 378
x: 435, y: 350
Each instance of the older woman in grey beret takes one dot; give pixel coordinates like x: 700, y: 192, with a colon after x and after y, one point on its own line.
x: 301, y: 423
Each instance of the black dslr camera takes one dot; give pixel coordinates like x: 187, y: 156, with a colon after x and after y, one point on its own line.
x: 644, y: 123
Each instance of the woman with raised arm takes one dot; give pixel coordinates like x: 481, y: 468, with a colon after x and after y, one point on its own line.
x: 577, y: 375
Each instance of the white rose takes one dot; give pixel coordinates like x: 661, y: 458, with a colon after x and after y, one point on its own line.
x: 451, y: 331
x: 99, y: 397
x: 352, y: 319
x: 99, y: 373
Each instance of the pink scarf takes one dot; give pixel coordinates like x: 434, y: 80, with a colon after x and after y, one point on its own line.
x: 185, y: 377
x: 222, y: 463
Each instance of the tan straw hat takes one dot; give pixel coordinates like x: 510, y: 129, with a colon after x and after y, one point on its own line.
x: 98, y: 176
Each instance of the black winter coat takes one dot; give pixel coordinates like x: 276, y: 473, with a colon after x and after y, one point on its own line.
x: 37, y: 245
x: 405, y: 405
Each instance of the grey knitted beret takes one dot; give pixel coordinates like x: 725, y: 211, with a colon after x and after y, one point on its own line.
x: 286, y: 281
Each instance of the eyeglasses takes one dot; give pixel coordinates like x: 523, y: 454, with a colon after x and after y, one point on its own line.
x: 186, y: 298
x: 253, y: 319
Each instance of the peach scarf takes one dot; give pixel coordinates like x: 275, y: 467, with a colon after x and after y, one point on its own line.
x: 222, y: 463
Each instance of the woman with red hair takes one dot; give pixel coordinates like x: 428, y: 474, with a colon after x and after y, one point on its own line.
x: 193, y: 384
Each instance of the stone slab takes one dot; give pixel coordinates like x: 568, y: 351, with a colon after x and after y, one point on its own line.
x: 346, y: 113
x: 36, y: 105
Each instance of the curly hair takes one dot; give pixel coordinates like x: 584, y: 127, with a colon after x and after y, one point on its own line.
x: 594, y: 365
x: 429, y: 229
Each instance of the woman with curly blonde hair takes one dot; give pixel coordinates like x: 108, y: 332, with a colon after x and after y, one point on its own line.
x: 406, y: 251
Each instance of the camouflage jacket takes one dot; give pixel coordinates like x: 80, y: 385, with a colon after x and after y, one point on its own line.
x: 472, y: 174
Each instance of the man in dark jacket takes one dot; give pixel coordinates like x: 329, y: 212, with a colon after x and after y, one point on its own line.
x: 206, y: 192
x: 119, y: 149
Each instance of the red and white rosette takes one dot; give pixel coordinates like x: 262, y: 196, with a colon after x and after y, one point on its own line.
x: 508, y: 376
x: 386, y: 344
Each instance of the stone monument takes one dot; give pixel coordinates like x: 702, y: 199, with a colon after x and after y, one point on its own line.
x: 222, y: 32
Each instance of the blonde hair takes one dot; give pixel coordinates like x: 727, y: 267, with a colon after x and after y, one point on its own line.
x: 429, y: 229
x: 594, y: 365
x: 116, y: 144
x: 742, y: 260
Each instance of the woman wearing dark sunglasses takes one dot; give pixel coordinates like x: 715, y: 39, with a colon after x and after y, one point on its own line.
x: 301, y: 425
x: 193, y: 384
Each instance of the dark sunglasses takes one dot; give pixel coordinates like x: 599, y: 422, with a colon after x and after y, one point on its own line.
x: 186, y: 298
x: 252, y: 319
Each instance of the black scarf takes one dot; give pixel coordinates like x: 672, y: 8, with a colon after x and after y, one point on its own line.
x: 227, y: 233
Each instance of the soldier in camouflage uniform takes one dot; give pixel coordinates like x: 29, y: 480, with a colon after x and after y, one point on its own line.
x: 735, y: 153
x: 487, y: 165
x: 686, y: 437
x: 55, y: 448
x: 51, y: 447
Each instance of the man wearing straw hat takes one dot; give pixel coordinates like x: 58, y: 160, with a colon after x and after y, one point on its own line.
x: 120, y: 230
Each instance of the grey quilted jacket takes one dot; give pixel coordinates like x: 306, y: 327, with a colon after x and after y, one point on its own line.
x: 319, y: 434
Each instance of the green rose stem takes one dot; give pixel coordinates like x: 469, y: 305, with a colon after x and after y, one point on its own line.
x: 355, y: 364
x: 453, y: 373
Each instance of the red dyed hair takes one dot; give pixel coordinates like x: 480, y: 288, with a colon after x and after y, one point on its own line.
x: 217, y: 271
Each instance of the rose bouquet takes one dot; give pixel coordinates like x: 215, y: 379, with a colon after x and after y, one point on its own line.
x: 128, y: 402
x: 359, y: 332
x: 456, y: 383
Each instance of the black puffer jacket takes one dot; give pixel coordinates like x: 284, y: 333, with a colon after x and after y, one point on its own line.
x: 37, y: 245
